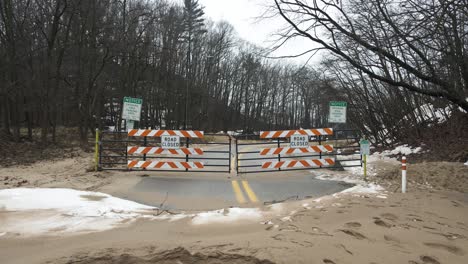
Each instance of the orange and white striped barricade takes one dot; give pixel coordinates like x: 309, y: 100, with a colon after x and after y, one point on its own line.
x: 289, y: 133
x: 173, y: 149
x: 156, y: 164
x: 135, y: 150
x: 160, y: 133
x: 298, y: 163
x: 288, y: 151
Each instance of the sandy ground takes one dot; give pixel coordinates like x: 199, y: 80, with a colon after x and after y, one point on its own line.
x: 425, y: 225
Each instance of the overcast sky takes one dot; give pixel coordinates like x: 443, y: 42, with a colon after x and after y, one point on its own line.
x: 244, y: 16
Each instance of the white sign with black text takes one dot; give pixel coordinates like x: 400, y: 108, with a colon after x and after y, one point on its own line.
x: 170, y: 142
x: 299, y: 141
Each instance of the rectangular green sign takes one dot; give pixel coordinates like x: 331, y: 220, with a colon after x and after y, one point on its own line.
x: 337, y: 112
x: 131, y: 108
x: 133, y: 100
x: 344, y: 104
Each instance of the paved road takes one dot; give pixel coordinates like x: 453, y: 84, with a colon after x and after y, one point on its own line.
x: 190, y: 193
x: 206, y: 191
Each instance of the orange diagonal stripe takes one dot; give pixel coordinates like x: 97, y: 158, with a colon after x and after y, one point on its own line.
x: 277, y: 134
x: 317, y: 162
x: 132, y: 163
x: 277, y: 151
x: 279, y: 164
x: 266, y: 165
x: 185, y: 134
x: 132, y: 132
x: 304, y: 163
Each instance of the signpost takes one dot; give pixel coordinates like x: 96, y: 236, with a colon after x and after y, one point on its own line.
x: 170, y: 142
x: 365, y: 150
x: 130, y: 124
x: 337, y: 113
x: 131, y: 111
x: 299, y: 141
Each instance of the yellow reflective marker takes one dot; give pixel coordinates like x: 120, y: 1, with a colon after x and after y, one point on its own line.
x: 238, y: 192
x: 249, y: 192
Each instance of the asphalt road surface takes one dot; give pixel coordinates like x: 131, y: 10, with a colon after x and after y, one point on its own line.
x: 200, y: 190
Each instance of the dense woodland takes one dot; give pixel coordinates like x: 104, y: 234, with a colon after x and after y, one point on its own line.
x: 69, y: 63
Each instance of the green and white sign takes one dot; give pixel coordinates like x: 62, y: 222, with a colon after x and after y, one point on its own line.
x: 337, y: 112
x: 365, y: 147
x: 131, y: 108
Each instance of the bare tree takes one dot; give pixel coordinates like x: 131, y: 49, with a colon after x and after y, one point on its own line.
x: 417, y: 45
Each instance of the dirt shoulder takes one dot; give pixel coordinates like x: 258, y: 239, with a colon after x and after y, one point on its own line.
x: 434, y: 175
x: 422, y: 226
x: 73, y: 170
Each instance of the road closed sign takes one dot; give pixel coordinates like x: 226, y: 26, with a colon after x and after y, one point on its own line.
x: 170, y: 142
x: 131, y: 108
x: 299, y: 141
x: 337, y: 113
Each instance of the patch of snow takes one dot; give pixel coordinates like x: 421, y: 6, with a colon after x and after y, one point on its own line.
x: 354, y: 175
x: 365, y: 188
x: 227, y: 216
x: 235, y: 133
x: 466, y: 163
x: 46, y: 210
x: 277, y: 207
x: 405, y: 150
x: 428, y: 112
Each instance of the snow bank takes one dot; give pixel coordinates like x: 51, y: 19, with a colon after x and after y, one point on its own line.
x: 399, y: 150
x: 365, y: 188
x: 428, y: 112
x: 227, y: 216
x: 77, y: 202
x: 355, y: 175
x: 39, y: 211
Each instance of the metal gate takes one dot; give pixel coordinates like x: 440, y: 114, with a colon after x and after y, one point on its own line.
x: 142, y: 150
x: 270, y: 151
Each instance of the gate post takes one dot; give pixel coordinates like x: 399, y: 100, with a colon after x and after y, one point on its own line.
x: 320, y: 143
x: 237, y: 157
x: 229, y: 153
x: 279, y: 155
x: 145, y: 143
x: 96, y: 151
x: 187, y: 144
